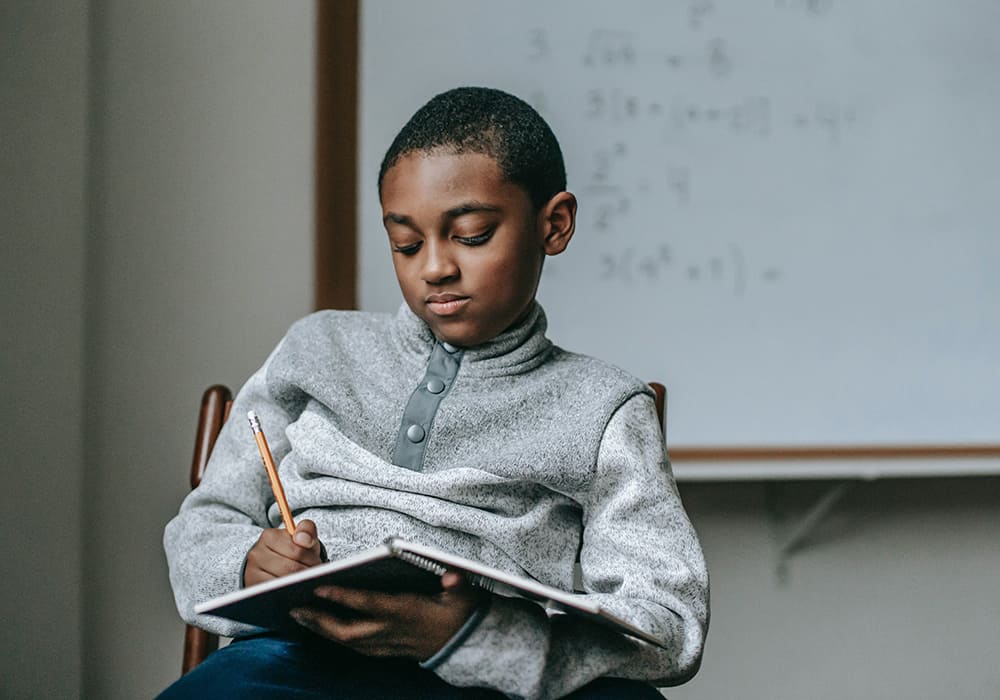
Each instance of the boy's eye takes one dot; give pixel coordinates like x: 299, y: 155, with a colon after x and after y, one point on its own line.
x: 407, y: 249
x: 476, y: 240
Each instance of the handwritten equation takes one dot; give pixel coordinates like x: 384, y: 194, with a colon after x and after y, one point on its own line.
x: 752, y: 114
x: 619, y: 49
x: 725, y: 270
x: 650, y: 108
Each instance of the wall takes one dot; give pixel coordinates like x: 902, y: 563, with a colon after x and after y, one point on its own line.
x: 200, y: 256
x: 156, y: 204
x: 43, y: 81
x: 893, y: 595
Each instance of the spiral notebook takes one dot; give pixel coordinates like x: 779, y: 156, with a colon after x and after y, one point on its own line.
x: 396, y: 566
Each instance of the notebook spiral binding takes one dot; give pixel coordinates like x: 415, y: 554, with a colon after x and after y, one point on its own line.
x: 422, y: 562
x: 438, y: 569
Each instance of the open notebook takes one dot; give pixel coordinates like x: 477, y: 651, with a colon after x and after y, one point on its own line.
x: 395, y: 566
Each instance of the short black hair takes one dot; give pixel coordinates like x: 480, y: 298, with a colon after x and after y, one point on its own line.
x: 493, y: 123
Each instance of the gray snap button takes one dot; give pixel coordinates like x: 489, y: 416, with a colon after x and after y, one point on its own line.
x: 435, y: 386
x: 415, y: 433
x: 449, y: 347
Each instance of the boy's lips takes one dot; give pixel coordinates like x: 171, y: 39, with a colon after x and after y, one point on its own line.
x: 446, y: 304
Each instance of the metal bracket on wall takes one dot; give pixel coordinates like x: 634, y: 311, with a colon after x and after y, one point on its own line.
x: 792, y: 534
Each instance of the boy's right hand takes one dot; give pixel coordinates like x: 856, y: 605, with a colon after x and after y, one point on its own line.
x: 277, y: 554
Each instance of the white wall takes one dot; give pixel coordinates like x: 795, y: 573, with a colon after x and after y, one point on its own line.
x: 43, y: 101
x: 201, y: 255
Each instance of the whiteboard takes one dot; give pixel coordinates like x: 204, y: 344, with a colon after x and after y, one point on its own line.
x: 788, y: 208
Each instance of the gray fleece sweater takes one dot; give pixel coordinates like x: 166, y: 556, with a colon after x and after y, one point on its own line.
x: 515, y: 452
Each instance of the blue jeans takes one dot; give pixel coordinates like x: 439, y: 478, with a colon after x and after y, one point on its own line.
x: 273, y: 668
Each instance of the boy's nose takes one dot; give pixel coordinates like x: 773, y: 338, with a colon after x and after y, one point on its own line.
x: 439, y: 267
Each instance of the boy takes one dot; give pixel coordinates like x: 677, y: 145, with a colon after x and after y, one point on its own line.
x: 457, y: 423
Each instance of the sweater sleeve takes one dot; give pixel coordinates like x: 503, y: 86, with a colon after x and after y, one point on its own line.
x: 640, y: 559
x: 218, y: 522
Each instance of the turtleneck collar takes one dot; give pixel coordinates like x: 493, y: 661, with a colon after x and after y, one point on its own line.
x: 518, y: 349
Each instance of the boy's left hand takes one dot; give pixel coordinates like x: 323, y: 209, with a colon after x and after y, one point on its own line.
x: 406, y: 625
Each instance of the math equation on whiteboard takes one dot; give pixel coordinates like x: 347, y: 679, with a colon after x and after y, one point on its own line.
x: 672, y: 150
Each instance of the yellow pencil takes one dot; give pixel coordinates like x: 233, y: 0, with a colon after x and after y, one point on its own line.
x: 272, y: 472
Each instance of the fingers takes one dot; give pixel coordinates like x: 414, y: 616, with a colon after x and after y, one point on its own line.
x: 390, y: 624
x: 344, y: 630
x: 277, y: 554
x: 452, y: 580
x: 303, y: 547
x: 367, y: 622
x: 366, y: 603
x: 358, y: 603
x: 305, y: 534
x: 279, y: 544
x: 368, y: 636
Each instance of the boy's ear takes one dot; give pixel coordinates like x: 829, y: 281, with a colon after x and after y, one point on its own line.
x: 558, y: 221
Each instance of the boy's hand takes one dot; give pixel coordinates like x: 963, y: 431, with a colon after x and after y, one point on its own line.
x: 406, y: 625
x: 276, y: 553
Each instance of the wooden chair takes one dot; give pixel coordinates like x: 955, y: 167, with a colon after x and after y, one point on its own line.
x: 215, y: 405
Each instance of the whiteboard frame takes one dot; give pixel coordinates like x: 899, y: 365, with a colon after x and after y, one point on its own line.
x: 699, y: 464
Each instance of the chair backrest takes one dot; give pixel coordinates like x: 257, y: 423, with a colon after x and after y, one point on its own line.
x: 215, y: 405
x: 660, y: 399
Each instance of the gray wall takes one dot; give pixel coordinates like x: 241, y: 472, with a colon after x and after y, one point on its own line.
x: 43, y: 113
x: 200, y: 257
x: 893, y: 595
x: 194, y: 255
x: 193, y: 258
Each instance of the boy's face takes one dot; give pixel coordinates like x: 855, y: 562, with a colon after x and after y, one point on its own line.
x: 467, y: 245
